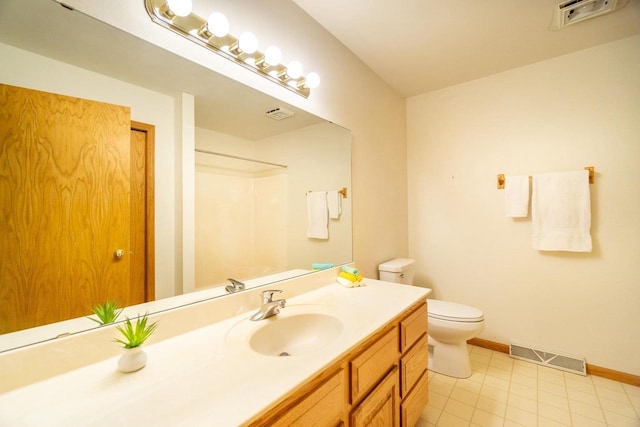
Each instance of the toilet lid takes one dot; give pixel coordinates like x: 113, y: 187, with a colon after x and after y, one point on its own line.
x: 446, y: 310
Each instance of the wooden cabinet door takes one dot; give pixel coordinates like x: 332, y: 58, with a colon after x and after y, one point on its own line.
x: 64, y: 206
x: 413, y: 327
x: 322, y: 407
x: 413, y: 365
x: 411, y: 408
x: 372, y: 364
x: 381, y: 407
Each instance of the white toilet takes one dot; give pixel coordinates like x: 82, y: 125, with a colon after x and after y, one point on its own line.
x: 450, y: 325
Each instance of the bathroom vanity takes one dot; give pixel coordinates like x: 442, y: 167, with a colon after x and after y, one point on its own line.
x: 383, y: 381
x: 364, y: 361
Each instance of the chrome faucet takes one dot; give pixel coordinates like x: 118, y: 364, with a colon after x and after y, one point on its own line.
x: 235, y: 286
x: 269, y: 307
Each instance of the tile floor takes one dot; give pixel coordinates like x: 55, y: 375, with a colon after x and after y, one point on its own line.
x: 507, y: 392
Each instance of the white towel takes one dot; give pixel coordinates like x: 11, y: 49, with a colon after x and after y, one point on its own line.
x: 317, y: 215
x: 334, y: 202
x: 561, y: 212
x: 516, y: 196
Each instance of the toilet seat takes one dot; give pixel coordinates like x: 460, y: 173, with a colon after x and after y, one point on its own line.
x: 454, y: 312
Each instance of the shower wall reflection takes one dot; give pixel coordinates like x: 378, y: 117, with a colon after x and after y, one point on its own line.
x: 251, y: 217
x: 240, y: 220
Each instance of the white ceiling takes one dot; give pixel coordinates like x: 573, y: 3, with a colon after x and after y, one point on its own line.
x: 418, y: 46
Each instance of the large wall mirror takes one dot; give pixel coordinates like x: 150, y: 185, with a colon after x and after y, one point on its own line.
x: 251, y: 173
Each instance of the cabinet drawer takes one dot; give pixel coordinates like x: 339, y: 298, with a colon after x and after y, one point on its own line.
x: 372, y: 364
x: 380, y: 408
x: 413, y: 327
x: 413, y: 365
x: 414, y: 404
x: 322, y: 407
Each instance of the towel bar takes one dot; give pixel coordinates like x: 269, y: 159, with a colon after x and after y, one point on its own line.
x: 343, y: 192
x: 591, y: 169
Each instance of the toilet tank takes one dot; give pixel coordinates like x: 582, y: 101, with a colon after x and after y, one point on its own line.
x: 398, y: 270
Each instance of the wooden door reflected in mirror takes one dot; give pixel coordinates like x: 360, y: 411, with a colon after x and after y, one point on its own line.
x: 73, y: 184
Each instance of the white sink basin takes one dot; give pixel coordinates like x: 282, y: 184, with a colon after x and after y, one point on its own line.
x: 296, y: 330
x: 294, y: 335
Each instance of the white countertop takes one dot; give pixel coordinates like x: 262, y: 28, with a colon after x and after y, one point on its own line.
x: 201, y: 378
x: 47, y: 332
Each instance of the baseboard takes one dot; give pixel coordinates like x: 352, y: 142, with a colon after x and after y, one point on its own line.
x: 491, y: 345
x: 623, y: 377
x: 597, y: 371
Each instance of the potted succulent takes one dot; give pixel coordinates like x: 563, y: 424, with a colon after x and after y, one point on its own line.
x: 107, y: 313
x: 134, y: 334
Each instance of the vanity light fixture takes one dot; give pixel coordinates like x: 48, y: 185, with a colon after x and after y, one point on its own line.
x: 213, y: 33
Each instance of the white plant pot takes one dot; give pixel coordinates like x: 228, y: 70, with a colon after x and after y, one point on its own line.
x: 132, y: 359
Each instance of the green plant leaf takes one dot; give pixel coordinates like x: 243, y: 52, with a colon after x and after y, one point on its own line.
x: 135, y: 336
x: 107, y: 312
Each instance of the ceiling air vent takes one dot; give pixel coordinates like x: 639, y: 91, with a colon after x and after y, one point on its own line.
x: 279, y: 113
x: 570, y: 12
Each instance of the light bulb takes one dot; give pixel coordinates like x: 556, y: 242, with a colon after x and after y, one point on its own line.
x: 313, y: 80
x: 586, y: 8
x: 180, y: 7
x: 218, y: 24
x: 248, y: 42
x: 272, y: 55
x: 294, y: 69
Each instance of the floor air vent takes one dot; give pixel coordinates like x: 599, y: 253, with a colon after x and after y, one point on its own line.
x: 545, y: 358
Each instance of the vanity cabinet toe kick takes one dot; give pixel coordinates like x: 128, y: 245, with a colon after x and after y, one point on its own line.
x: 382, y: 381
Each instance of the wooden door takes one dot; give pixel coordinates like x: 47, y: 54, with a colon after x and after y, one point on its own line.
x: 65, y: 206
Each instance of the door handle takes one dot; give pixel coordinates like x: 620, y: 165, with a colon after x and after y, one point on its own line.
x: 118, y: 254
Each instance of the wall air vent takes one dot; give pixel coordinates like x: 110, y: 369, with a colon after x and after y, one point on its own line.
x: 545, y: 358
x: 573, y: 11
x: 279, y: 113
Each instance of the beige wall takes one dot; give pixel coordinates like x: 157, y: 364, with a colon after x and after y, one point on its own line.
x: 562, y: 114
x: 317, y: 158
